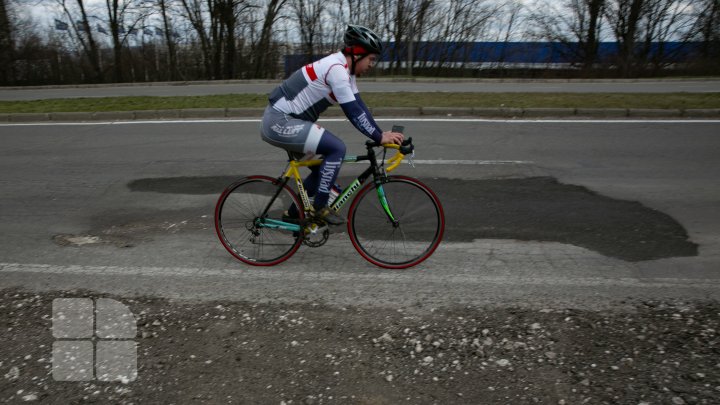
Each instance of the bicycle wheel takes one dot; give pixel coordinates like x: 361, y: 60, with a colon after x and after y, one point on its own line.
x: 237, y: 221
x: 415, y: 236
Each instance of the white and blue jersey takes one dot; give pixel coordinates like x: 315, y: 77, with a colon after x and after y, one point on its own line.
x: 309, y: 91
x: 295, y: 105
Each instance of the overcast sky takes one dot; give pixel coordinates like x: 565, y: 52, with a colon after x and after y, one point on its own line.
x: 44, y: 12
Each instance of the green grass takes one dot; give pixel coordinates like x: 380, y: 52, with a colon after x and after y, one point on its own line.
x: 132, y: 103
x: 545, y: 100
x: 400, y: 99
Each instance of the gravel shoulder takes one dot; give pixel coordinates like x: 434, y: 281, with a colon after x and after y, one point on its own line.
x: 643, y: 352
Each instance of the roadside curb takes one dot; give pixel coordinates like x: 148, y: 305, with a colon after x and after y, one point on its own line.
x: 235, y: 113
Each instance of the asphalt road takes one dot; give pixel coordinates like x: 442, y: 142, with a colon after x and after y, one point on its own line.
x: 264, y: 87
x: 127, y: 208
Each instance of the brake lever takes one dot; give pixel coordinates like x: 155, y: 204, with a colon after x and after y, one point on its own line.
x: 411, y: 159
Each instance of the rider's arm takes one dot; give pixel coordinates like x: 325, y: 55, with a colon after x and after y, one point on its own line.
x: 354, y: 109
x: 364, y: 107
x: 362, y: 120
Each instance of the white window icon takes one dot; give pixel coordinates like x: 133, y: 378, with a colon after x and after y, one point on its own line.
x: 94, y: 340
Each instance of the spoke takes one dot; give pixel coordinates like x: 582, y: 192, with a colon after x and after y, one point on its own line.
x: 238, y: 213
x: 414, y: 235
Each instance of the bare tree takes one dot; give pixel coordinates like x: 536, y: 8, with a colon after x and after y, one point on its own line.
x: 588, y: 30
x: 7, y: 46
x: 509, y: 21
x: 366, y: 12
x: 116, y: 15
x: 221, y: 17
x: 419, y: 22
x: 425, y: 28
x: 122, y: 25
x: 624, y: 17
x: 663, y: 21
x: 399, y: 31
x: 308, y: 14
x: 229, y: 15
x: 409, y: 19
x: 262, y: 52
x: 216, y: 23
x: 577, y: 25
x: 590, y: 40
x: 466, y: 21
x: 245, y: 38
x: 195, y: 13
x: 83, y: 33
x: 706, y: 29
x: 167, y: 32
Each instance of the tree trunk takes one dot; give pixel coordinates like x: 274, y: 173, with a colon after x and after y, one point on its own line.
x: 88, y: 43
x: 169, y: 41
x: 263, y: 51
x: 7, y: 74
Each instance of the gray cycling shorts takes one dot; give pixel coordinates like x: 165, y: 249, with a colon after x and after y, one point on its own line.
x: 292, y: 134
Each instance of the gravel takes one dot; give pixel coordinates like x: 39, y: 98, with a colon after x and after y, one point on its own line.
x: 644, y: 352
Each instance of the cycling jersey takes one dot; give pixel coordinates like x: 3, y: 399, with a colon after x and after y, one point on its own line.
x: 315, y: 87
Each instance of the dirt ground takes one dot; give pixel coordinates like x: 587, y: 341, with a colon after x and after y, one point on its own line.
x: 274, y: 353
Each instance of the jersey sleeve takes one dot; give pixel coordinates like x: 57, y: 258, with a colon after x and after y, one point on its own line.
x: 364, y: 107
x: 344, y: 91
x: 338, y: 79
x: 362, y: 120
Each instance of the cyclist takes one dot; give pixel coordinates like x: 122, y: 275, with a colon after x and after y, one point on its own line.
x: 295, y: 105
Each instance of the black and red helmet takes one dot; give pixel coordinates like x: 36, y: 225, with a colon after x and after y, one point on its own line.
x: 357, y: 36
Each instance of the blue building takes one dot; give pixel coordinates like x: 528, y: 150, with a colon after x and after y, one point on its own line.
x: 517, y: 55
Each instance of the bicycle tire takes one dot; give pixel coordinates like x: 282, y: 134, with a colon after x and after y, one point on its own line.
x: 236, y: 212
x: 421, y: 223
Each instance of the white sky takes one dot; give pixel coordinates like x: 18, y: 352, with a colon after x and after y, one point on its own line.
x: 46, y: 10
x: 43, y: 12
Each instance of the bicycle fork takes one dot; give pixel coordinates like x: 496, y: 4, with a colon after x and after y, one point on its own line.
x: 380, y: 178
x: 385, y: 205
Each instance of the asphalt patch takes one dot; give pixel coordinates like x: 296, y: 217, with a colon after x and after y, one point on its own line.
x: 528, y: 209
x: 542, y: 209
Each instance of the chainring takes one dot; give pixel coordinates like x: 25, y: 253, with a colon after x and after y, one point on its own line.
x: 316, y: 234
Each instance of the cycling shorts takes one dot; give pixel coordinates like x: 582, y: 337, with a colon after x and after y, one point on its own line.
x: 292, y: 134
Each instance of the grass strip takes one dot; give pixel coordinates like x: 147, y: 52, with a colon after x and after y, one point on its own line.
x: 398, y: 99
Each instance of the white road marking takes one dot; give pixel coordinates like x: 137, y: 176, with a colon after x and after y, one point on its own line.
x: 313, y: 276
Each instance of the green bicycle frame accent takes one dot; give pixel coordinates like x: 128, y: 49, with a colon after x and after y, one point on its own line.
x: 384, y: 203
x: 352, y: 188
x: 277, y: 224
x: 345, y: 196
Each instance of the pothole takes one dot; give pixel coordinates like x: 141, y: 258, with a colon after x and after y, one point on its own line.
x: 530, y: 209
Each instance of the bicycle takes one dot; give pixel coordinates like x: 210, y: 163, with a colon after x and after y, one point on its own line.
x: 399, y: 228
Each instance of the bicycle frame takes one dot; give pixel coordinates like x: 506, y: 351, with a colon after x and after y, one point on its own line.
x: 377, y: 171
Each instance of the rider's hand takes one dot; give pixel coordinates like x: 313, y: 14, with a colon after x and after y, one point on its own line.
x: 392, y: 137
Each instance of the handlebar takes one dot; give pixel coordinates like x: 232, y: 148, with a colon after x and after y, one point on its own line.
x: 406, y: 148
